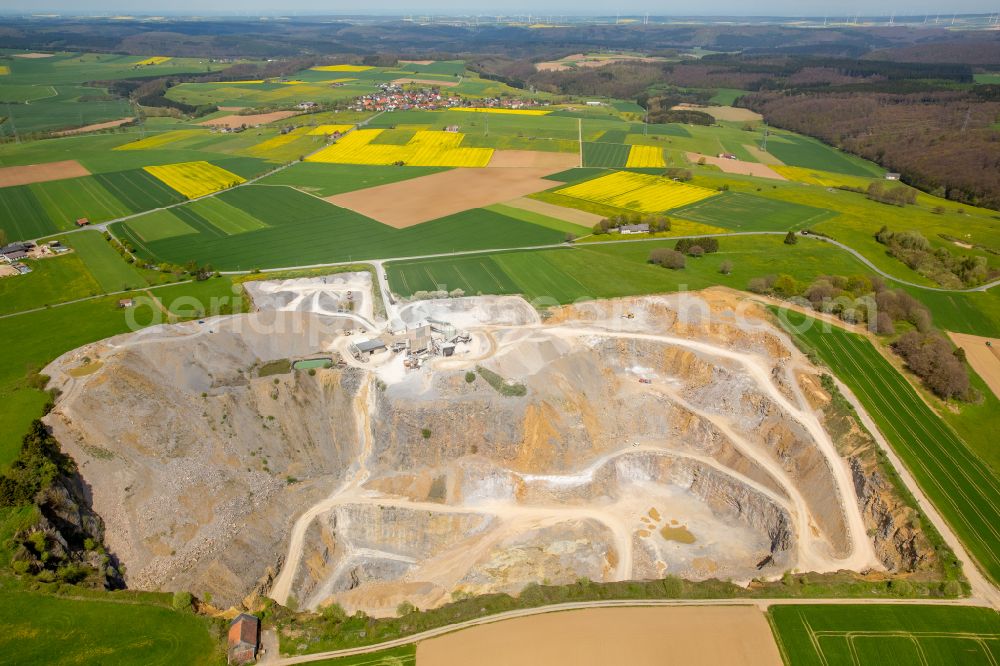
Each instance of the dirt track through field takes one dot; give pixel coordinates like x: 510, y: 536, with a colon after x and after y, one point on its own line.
x: 737, y: 166
x: 411, y: 202
x: 95, y: 127
x: 581, y: 217
x: 599, y: 636
x: 40, y: 173
x: 984, y: 360
x: 256, y: 119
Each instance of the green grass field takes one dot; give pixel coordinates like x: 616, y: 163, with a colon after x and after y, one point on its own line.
x: 957, y: 480
x: 302, y: 229
x: 802, y: 151
x: 610, y: 270
x: 51, y: 280
x: 40, y: 209
x: 329, y: 179
x: 45, y: 629
x: 745, y: 212
x: 539, y: 219
x: 106, y: 266
x: 608, y: 155
x: 873, y: 635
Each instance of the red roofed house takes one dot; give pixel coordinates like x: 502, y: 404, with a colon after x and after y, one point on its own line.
x: 244, y: 639
x: 82, y: 222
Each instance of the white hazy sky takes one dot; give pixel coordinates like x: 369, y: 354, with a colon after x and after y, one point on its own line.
x: 538, y: 7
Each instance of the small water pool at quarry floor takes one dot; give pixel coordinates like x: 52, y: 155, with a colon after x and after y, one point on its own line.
x: 648, y: 441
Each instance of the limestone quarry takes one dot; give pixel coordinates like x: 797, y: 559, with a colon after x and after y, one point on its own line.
x: 612, y: 440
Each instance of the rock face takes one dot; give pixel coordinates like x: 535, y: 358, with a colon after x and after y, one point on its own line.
x: 642, y: 445
x: 189, y: 454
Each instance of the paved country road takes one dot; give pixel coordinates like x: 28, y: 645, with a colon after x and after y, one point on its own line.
x: 842, y: 246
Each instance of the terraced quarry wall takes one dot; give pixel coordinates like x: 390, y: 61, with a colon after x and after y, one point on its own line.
x: 643, y: 443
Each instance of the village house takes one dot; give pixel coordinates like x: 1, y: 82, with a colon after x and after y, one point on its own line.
x: 244, y: 639
x: 634, y: 228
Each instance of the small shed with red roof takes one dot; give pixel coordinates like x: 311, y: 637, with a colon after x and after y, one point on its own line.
x: 244, y: 639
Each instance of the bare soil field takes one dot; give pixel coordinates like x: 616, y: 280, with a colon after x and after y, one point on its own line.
x: 411, y: 202
x: 416, y: 62
x: 599, y: 636
x: 39, y: 173
x: 730, y: 113
x: 533, y: 159
x: 559, y: 212
x: 581, y: 60
x: 255, y: 119
x: 737, y: 166
x: 427, y: 82
x: 984, y: 360
x: 32, y: 56
x: 231, y: 108
x: 95, y: 127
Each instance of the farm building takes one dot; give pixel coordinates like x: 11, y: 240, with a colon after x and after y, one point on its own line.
x: 14, y: 248
x: 727, y: 156
x: 892, y: 176
x: 634, y: 229
x: 17, y: 255
x: 244, y: 639
x: 23, y: 269
x: 82, y: 222
x: 126, y: 303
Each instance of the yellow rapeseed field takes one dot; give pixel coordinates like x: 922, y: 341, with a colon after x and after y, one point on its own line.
x: 824, y: 178
x: 637, y: 191
x: 155, y: 60
x: 159, y: 140
x: 195, y: 179
x: 268, y: 146
x: 426, y: 148
x: 513, y: 112
x: 341, y: 68
x: 645, y: 157
x: 236, y: 83
x: 4, y: 70
x: 329, y: 129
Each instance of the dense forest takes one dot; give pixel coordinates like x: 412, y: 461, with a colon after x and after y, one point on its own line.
x: 946, y: 143
x: 251, y: 37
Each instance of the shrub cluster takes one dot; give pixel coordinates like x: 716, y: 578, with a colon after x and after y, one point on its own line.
x: 896, y: 196
x: 697, y: 246
x: 938, y: 264
x: 932, y: 358
x: 664, y: 256
x: 858, y: 299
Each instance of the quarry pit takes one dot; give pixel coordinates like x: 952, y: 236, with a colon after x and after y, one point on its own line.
x: 608, y: 440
